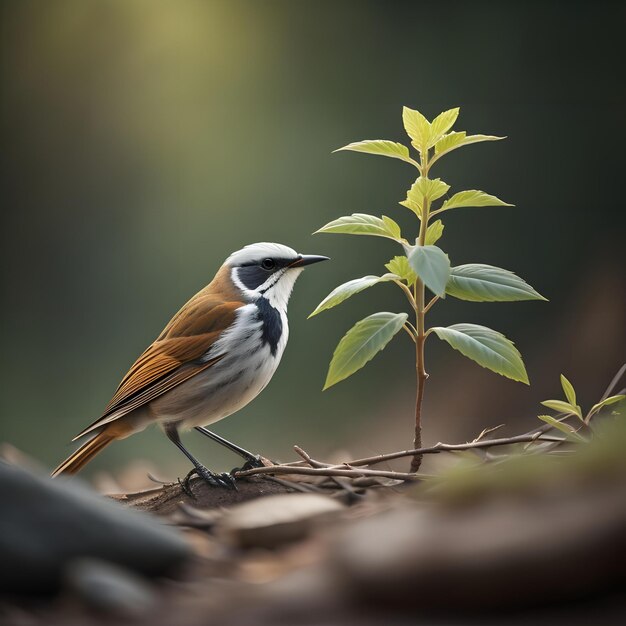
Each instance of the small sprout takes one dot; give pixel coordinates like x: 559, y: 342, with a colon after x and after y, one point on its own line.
x: 569, y: 408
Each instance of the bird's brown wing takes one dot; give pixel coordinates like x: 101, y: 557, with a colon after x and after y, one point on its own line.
x: 173, y: 358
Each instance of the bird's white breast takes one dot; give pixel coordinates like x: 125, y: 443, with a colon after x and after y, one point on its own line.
x: 248, y: 362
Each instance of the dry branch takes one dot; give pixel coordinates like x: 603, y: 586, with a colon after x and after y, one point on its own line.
x: 330, y: 470
x: 311, y: 467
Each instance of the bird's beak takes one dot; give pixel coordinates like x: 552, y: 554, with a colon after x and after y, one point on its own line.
x: 308, y: 259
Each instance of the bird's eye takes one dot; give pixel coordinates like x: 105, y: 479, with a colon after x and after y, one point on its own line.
x: 268, y: 264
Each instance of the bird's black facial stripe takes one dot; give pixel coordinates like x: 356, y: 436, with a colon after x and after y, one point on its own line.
x: 252, y: 275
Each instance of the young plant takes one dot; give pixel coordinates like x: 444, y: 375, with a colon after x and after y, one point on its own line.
x: 568, y: 408
x: 425, y: 266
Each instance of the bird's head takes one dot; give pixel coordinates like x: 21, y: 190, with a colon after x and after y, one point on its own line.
x: 268, y: 270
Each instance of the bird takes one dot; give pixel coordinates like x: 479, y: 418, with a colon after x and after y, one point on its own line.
x: 214, y: 356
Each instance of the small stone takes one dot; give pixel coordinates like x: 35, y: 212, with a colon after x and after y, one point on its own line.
x: 276, y: 520
x: 110, y: 589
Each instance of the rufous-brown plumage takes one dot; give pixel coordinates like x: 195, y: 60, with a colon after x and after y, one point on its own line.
x: 170, y: 360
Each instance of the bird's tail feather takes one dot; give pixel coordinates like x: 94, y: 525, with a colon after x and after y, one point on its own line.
x: 85, y: 453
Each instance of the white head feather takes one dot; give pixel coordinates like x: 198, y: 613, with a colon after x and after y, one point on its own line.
x: 259, y: 251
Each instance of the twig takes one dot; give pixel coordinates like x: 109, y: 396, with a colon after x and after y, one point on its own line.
x: 318, y: 468
x: 306, y: 456
x: 157, y: 480
x: 530, y: 443
x: 447, y: 447
x: 303, y: 487
x: 487, y: 431
x: 342, y: 483
x: 329, y: 471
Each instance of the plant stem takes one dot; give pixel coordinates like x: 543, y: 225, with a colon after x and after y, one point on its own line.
x: 420, y: 370
x: 407, y: 292
x: 410, y: 332
x: 430, y: 304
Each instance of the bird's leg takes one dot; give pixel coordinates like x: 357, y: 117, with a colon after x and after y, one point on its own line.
x: 215, y: 480
x: 250, y: 464
x: 252, y: 460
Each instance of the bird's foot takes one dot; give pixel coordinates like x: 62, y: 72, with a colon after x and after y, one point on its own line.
x: 225, y: 480
x: 252, y: 463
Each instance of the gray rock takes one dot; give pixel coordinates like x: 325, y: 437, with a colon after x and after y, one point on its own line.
x: 110, y: 589
x: 45, y: 523
x: 275, y: 520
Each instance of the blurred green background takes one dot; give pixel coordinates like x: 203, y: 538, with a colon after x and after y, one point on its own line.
x: 144, y: 140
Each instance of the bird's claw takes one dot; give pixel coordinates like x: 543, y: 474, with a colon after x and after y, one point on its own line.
x: 225, y: 480
x: 184, y: 484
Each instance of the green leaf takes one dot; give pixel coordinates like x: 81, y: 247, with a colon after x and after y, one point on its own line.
x: 568, y: 390
x: 487, y: 347
x: 381, y: 147
x: 477, y: 282
x: 345, y: 291
x: 399, y: 265
x: 441, y: 125
x: 471, y: 197
x: 432, y: 265
x: 606, y: 402
x: 363, y: 224
x: 361, y: 343
x: 392, y: 227
x: 431, y: 189
x: 434, y: 232
x: 416, y: 208
x: 452, y: 141
x: 564, y: 428
x: 563, y: 407
x: 417, y: 127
